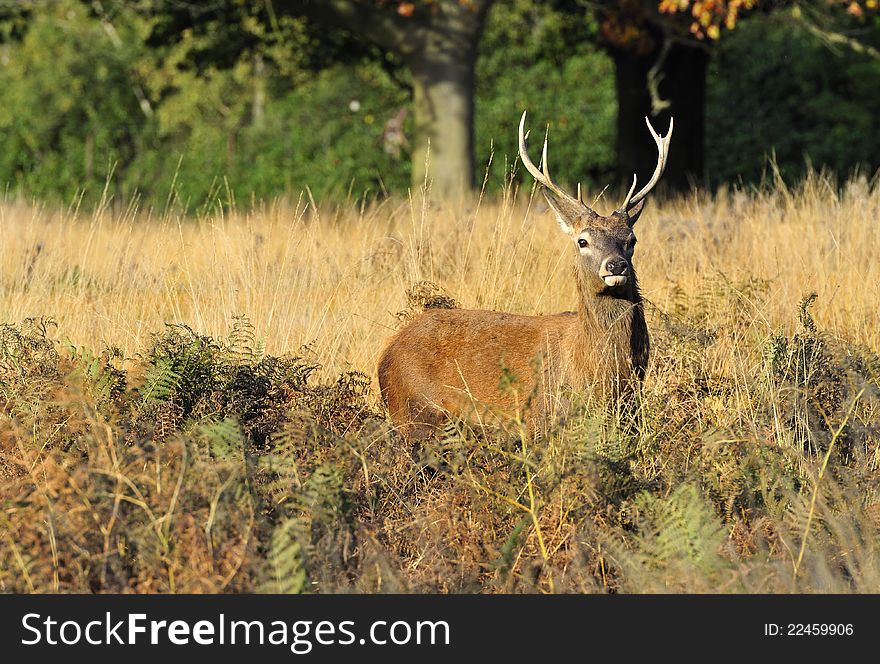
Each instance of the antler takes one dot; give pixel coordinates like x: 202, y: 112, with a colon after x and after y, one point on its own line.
x: 663, y: 150
x: 542, y: 176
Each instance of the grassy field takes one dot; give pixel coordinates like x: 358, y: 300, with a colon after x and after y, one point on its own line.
x: 190, y: 404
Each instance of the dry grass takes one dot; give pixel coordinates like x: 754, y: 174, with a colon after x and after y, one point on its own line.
x: 336, y: 278
x: 758, y: 424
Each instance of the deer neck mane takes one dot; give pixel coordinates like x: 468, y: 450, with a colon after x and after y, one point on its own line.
x: 606, y: 312
x: 611, y: 333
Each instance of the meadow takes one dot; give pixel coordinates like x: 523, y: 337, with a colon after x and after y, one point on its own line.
x: 189, y: 404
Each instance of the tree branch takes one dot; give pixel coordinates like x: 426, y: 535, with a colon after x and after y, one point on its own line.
x: 137, y: 88
x: 655, y: 77
x: 832, y: 38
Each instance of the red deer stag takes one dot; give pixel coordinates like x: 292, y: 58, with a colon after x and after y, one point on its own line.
x: 452, y: 361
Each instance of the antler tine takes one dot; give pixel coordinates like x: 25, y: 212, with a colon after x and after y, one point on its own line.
x: 524, y: 154
x: 630, y: 193
x: 545, y: 166
x: 662, y: 153
x: 541, y: 175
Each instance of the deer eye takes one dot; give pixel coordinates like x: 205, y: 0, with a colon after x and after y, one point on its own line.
x: 582, y: 243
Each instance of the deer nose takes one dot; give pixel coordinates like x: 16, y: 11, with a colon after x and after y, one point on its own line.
x: 615, y: 266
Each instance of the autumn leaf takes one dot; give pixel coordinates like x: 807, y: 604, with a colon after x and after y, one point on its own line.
x: 854, y: 9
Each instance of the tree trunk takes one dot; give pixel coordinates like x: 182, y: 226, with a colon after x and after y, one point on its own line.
x: 443, y: 99
x: 258, y: 109
x: 682, y: 77
x: 438, y: 42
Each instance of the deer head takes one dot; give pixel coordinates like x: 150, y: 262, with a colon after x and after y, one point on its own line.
x: 605, y: 244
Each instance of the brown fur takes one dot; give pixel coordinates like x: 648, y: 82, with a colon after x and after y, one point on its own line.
x: 453, y: 360
x: 475, y: 364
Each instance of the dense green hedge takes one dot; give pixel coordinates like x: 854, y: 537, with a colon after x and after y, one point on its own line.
x: 774, y: 89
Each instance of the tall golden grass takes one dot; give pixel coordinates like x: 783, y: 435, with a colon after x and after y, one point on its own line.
x: 333, y: 278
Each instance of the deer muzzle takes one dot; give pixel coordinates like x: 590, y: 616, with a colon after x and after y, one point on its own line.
x: 615, y: 271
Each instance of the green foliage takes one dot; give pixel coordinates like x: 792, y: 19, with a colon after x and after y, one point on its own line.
x: 287, y: 573
x: 679, y: 538
x: 169, y: 130
x: 819, y: 378
x: 69, y: 114
x: 799, y: 101
x: 535, y: 58
x: 103, y: 376
x: 260, y: 123
x: 235, y: 103
x: 327, y: 135
x: 160, y: 382
x: 223, y: 438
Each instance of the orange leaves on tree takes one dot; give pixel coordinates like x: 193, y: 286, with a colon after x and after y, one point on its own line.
x: 408, y: 9
x: 673, y: 6
x: 709, y: 16
x: 626, y: 34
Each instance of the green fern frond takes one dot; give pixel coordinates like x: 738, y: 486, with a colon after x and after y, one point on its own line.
x: 223, y: 438
x: 322, y: 496
x: 681, y: 529
x: 287, y: 573
x: 511, y: 546
x: 160, y: 382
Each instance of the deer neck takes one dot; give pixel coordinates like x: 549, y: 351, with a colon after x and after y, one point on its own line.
x: 606, y: 311
x: 611, y: 336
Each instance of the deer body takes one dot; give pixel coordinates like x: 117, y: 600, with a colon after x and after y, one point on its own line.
x: 475, y: 363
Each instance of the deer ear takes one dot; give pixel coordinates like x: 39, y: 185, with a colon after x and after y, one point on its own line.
x: 564, y: 211
x: 633, y: 214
